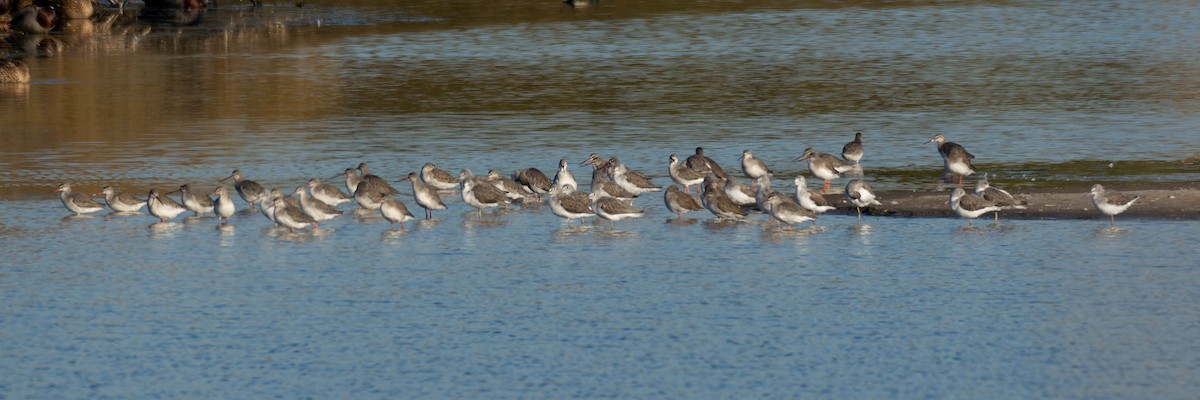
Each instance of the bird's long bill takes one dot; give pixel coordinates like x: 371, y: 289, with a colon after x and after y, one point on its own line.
x: 226, y: 178
x: 585, y: 162
x: 343, y: 173
x: 175, y: 191
x: 803, y: 157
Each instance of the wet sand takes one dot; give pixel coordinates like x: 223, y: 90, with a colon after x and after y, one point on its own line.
x: 1167, y: 201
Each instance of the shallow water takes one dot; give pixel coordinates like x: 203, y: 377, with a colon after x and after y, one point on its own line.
x: 516, y: 304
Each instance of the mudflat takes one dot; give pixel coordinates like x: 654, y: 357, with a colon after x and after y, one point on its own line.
x: 1165, y: 200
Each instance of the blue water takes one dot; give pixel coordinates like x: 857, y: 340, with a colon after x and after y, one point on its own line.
x: 518, y: 305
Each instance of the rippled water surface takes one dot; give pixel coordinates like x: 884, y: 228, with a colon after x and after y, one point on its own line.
x: 516, y: 304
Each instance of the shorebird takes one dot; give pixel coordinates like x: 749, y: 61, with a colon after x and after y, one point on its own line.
x: 1111, y: 203
x: 511, y: 189
x: 426, y: 196
x: 763, y: 191
x: 630, y: 180
x: 683, y: 175
x: 811, y: 201
x: 613, y: 209
x: 853, y: 151
x: 317, y: 209
x: 970, y: 206
x: 824, y: 166
x: 33, y: 19
x: 533, y: 180
x: 439, y: 179
x: 267, y: 205
x: 740, y: 194
x: 198, y: 203
x: 352, y: 180
x: 784, y: 210
x: 955, y: 158
x: 326, y: 193
x: 368, y: 196
x: 602, y: 181
x: 859, y: 193
x: 704, y: 165
x: 479, y: 193
x: 223, y: 205
x: 121, y: 201
x: 717, y: 201
x: 162, y: 206
x: 374, y: 182
x: 753, y: 168
x: 291, y: 217
x: 394, y: 211
x: 570, y: 204
x: 997, y: 196
x: 248, y: 190
x: 679, y: 202
x: 78, y: 203
x: 564, y: 176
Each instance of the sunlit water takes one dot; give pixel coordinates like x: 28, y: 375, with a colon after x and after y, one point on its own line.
x: 517, y: 304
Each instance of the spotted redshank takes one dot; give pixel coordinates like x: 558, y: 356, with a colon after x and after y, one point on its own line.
x: 853, y: 151
x: 199, y: 203
x: 997, y: 196
x: 602, y: 181
x: 632, y: 181
x: 326, y: 193
x: 290, y: 217
x: 785, y: 211
x: 426, y: 196
x: 512, y: 189
x: 717, y: 200
x: 248, y: 190
x: 223, y: 205
x: 738, y: 193
x: 613, y: 209
x: 570, y: 204
x: 162, y: 206
x: 1111, y: 203
x: 825, y: 166
x: 439, y: 179
x: 564, y: 176
x: 683, y: 175
x: 122, y: 201
x: 374, y: 182
x: 352, y: 180
x: 705, y: 165
x: 970, y: 206
x: 679, y: 202
x: 534, y: 180
x: 859, y: 193
x: 267, y: 205
x: 394, y: 211
x: 78, y: 203
x: 317, y: 209
x: 811, y: 201
x: 753, y: 168
x: 478, y: 192
x: 955, y: 158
